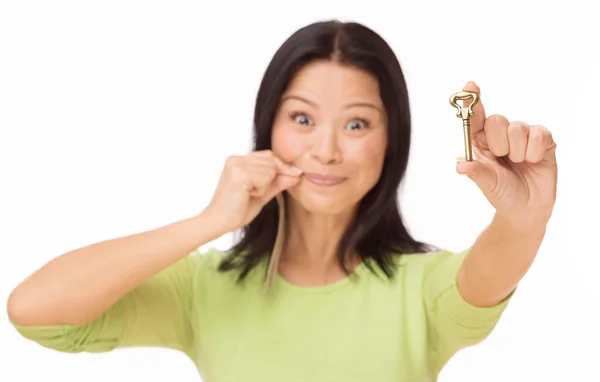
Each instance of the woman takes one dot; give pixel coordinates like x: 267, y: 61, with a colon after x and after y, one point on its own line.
x: 350, y: 295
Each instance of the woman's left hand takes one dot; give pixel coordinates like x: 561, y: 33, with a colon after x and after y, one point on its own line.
x: 514, y: 166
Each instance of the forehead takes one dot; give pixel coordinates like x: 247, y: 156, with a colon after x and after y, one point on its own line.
x: 328, y: 81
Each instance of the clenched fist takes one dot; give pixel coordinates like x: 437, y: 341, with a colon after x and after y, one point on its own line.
x: 246, y: 184
x: 515, y: 167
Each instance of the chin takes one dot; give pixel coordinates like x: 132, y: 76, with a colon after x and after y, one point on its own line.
x: 330, y: 203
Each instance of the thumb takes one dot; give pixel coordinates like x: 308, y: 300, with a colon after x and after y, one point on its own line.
x: 282, y: 182
x: 483, y: 175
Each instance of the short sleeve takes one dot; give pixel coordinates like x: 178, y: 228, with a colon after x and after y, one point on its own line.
x: 453, y: 323
x: 156, y: 313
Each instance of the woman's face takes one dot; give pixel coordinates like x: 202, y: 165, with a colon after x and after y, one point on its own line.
x: 332, y: 125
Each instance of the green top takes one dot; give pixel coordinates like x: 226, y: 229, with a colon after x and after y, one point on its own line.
x: 363, y: 329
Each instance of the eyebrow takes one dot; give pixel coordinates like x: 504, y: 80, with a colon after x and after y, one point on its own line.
x: 313, y: 104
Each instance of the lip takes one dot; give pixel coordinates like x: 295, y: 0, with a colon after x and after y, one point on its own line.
x: 323, y: 180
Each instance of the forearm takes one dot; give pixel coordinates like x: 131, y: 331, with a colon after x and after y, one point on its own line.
x: 80, y: 285
x: 498, y: 260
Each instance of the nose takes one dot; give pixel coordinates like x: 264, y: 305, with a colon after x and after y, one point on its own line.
x: 326, y: 146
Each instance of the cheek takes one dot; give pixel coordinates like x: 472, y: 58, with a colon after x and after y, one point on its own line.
x: 369, y: 154
x: 367, y: 159
x: 285, y: 143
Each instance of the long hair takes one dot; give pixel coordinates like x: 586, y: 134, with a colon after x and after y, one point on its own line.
x: 378, y: 231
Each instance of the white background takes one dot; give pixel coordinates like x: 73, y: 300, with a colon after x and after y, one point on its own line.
x: 116, y: 117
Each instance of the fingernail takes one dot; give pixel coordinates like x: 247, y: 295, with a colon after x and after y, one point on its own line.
x: 296, y: 170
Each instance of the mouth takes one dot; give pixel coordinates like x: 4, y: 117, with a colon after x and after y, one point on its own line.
x: 323, y: 180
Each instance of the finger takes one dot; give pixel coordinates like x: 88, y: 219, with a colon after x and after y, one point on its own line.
x: 256, y: 173
x: 281, y: 183
x: 286, y: 169
x: 261, y: 180
x: 496, y: 134
x: 478, y: 118
x: 266, y: 175
x: 481, y: 172
x: 517, y: 133
x: 487, y: 158
x: 282, y: 167
x: 539, y: 142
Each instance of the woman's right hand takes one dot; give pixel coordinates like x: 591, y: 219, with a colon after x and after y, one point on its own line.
x: 246, y: 185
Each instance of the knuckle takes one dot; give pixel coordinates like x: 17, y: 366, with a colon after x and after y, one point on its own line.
x: 544, y: 132
x: 276, y: 163
x: 238, y: 173
x: 538, y: 137
x: 518, y: 125
x: 496, y: 119
x: 517, y: 128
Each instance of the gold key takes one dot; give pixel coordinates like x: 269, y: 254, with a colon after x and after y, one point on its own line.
x: 465, y: 113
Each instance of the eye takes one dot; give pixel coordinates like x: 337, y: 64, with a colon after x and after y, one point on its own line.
x: 301, y: 119
x: 357, y: 124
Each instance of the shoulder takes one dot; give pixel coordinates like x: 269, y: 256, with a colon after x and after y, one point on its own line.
x: 440, y: 263
x: 432, y: 259
x: 415, y: 270
x: 207, y: 263
x: 208, y: 258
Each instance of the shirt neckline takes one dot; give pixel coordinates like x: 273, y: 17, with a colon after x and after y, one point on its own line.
x: 281, y: 281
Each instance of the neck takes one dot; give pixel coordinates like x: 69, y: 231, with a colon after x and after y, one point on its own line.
x: 312, y: 240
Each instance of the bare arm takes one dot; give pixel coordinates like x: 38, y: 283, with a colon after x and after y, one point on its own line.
x: 498, y: 260
x: 78, y: 286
